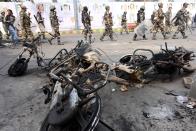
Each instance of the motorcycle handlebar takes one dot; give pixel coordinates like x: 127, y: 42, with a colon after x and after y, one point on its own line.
x: 69, y: 80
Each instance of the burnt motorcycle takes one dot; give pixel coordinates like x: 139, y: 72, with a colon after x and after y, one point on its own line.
x: 167, y: 61
x: 75, y: 104
x: 72, y: 91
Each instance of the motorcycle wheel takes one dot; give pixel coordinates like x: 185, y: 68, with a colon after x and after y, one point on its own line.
x: 18, y: 68
x: 85, y: 120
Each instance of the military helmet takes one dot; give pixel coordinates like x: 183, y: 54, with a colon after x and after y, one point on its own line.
x: 23, y: 7
x: 160, y: 4
x: 52, y: 7
x: 107, y: 7
x: 85, y: 8
x: 142, y: 7
x: 185, y: 4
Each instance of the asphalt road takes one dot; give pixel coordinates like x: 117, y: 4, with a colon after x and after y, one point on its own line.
x: 22, y: 102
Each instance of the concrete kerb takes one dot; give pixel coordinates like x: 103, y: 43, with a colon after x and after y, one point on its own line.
x: 77, y: 32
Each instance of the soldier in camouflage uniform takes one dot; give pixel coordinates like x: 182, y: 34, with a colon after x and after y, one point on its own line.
x: 55, y: 25
x: 40, y: 21
x: 158, y: 22
x: 108, y: 24
x: 124, y: 23
x: 140, y: 15
x: 140, y: 19
x: 25, y: 23
x: 180, y: 21
x: 87, y: 24
x: 168, y: 16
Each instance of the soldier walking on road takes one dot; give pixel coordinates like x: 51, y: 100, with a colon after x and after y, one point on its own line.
x: 140, y: 19
x: 40, y: 21
x: 158, y: 22
x: 168, y: 16
x: 107, y: 19
x: 86, y: 20
x: 55, y: 25
x: 25, y: 23
x: 124, y: 23
x: 181, y: 21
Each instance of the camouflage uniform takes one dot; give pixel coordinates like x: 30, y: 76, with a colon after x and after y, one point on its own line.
x: 140, y: 19
x: 108, y: 24
x: 158, y: 22
x: 87, y: 24
x: 141, y: 15
x: 25, y: 22
x: 55, y: 25
x: 124, y: 23
x: 168, y: 15
x: 41, y: 25
x: 180, y: 21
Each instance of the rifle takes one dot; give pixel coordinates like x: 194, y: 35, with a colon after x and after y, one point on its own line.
x: 38, y: 21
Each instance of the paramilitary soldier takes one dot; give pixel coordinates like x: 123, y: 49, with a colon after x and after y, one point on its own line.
x: 124, y: 23
x: 86, y: 20
x: 158, y: 22
x: 141, y: 15
x: 140, y: 19
x: 25, y: 23
x: 107, y: 19
x: 168, y: 16
x: 55, y: 25
x: 40, y: 21
x: 180, y: 21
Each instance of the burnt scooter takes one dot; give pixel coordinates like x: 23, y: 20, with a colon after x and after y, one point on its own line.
x: 19, y: 67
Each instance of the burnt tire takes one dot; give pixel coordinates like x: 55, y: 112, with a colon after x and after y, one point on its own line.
x: 18, y: 68
x: 91, y: 117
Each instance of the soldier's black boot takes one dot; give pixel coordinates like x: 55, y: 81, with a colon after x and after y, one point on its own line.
x: 59, y: 41
x: 101, y: 39
x: 50, y: 41
x: 183, y: 35
x: 111, y: 37
x: 90, y: 39
x: 144, y: 37
x: 164, y: 36
x: 134, y: 37
x: 174, y: 36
